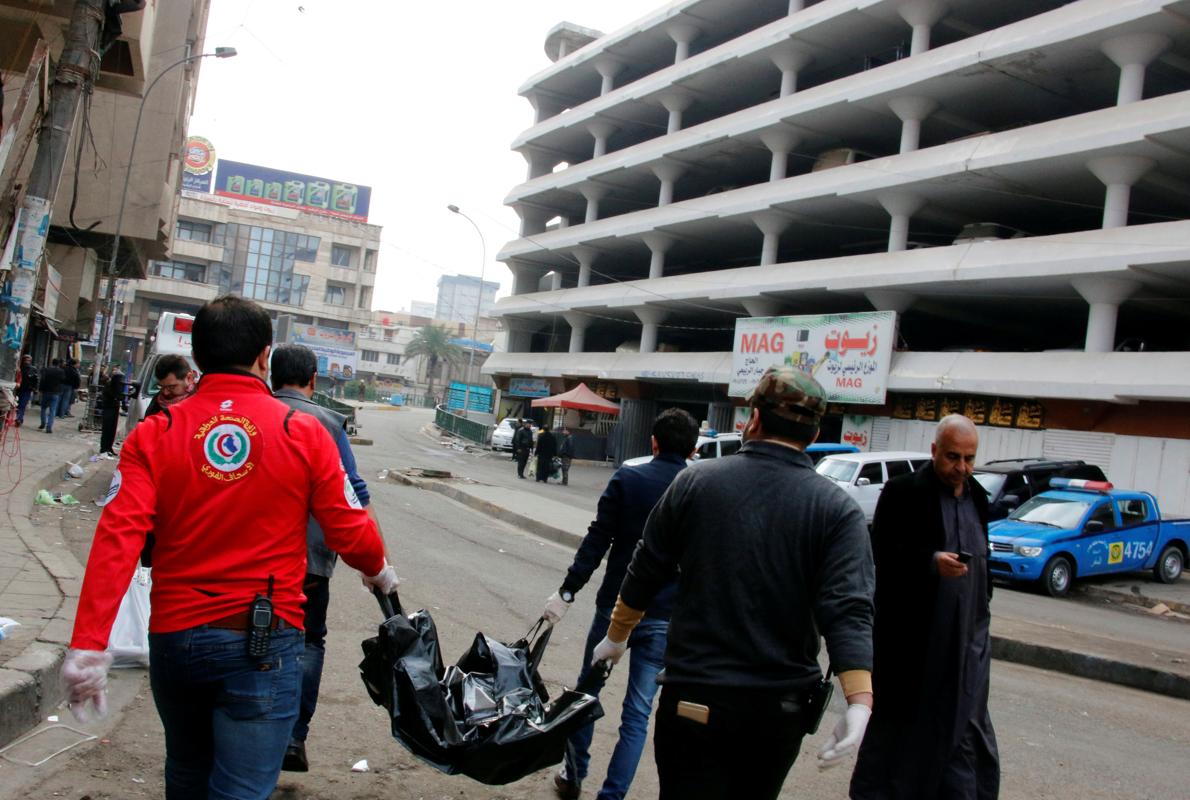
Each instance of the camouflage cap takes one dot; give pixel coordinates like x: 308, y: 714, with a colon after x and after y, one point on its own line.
x: 791, y: 394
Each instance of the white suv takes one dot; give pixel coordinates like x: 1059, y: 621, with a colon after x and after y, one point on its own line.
x: 723, y: 444
x: 863, y: 475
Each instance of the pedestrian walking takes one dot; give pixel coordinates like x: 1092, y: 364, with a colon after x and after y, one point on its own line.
x: 113, y: 396
x: 52, y: 380
x: 522, y: 446
x: 226, y: 481
x: 545, y: 449
x: 771, y: 556
x: 29, y: 378
x: 623, y: 508
x: 292, y: 374
x: 70, y: 387
x: 566, y: 453
x: 931, y: 736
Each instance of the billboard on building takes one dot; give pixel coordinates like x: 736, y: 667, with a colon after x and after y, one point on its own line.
x: 274, y: 187
x: 849, y: 354
x: 335, y: 349
x: 528, y: 387
x: 198, y: 165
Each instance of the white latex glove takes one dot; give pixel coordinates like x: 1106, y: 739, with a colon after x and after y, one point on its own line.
x: 385, y: 580
x: 607, y: 650
x: 846, y: 737
x: 555, y: 609
x: 85, y: 674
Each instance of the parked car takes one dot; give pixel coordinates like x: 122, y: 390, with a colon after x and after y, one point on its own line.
x: 1010, y: 482
x: 172, y: 337
x: 717, y: 446
x: 863, y: 475
x: 820, y: 450
x: 1080, y: 528
x: 502, y: 433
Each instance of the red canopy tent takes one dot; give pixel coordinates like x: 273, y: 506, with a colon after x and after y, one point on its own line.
x: 579, y: 397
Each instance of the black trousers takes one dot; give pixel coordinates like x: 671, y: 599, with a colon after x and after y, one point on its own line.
x: 522, y: 458
x: 107, y: 435
x: 744, y: 750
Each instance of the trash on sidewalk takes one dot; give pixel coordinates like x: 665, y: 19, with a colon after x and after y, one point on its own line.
x: 1159, y: 610
x: 6, y: 626
x: 382, y: 475
x: 73, y: 470
x: 66, y: 499
x: 44, y: 498
x: 360, y: 766
x: 424, y: 472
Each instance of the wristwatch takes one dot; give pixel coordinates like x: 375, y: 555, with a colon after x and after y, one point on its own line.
x: 566, y: 595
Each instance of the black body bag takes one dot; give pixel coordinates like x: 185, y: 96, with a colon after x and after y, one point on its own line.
x: 488, y: 717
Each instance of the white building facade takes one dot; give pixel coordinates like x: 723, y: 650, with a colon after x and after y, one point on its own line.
x: 1010, y: 178
x: 459, y: 296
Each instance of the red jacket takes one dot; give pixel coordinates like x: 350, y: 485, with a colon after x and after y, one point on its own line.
x: 225, y: 482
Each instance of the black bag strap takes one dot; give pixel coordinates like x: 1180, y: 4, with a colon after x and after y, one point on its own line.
x: 390, y: 604
x: 536, y: 647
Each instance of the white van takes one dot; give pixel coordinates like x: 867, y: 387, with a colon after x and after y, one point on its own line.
x: 173, y: 338
x: 863, y: 475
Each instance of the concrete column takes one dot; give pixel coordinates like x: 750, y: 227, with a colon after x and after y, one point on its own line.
x: 675, y: 103
x: 520, y: 333
x: 683, y: 33
x: 651, y: 318
x: 772, y: 225
x: 762, y: 307
x: 594, y: 193
x: 790, y: 61
x: 1104, y: 296
x: 911, y: 110
x: 781, y: 142
x: 900, y: 207
x: 890, y: 300
x: 1133, y: 53
x: 544, y: 107
x: 601, y: 130
x: 1119, y: 174
x: 608, y: 68
x: 658, y: 244
x: 635, y: 425
x: 921, y: 16
x: 533, y: 219
x: 540, y: 163
x: 586, y: 259
x: 578, y: 329
x: 668, y: 173
x: 525, y: 277
x: 796, y: 6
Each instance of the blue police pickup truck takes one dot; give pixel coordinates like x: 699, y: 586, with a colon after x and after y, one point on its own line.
x: 1081, y: 528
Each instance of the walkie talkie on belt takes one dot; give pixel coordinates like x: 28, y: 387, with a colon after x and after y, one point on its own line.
x: 260, y: 623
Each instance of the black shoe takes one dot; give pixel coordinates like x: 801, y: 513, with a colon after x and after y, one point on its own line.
x: 41, y: 427
x: 565, y: 789
x: 295, y: 758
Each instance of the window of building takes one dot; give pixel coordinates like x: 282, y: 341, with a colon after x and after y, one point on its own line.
x: 369, y: 261
x: 181, y: 271
x: 193, y: 231
x: 365, y: 297
x: 369, y: 355
x: 341, y: 255
x: 335, y: 295
x: 388, y: 334
x: 259, y: 262
x: 393, y: 358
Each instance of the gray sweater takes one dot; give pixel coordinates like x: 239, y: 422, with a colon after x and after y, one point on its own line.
x: 771, y: 555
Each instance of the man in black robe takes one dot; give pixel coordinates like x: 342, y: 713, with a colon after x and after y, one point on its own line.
x: 546, y: 449
x: 930, y: 737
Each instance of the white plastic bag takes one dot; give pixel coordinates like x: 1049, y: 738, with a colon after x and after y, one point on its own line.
x: 129, y: 642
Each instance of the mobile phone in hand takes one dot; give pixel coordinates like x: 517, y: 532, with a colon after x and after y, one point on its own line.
x: 964, y: 557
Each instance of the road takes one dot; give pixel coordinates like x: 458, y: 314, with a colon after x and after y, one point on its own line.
x: 1060, y: 737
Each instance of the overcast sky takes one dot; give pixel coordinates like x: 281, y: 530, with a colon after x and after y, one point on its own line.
x: 416, y: 100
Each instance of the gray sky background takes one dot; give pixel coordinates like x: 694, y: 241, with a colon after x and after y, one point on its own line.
x: 416, y: 100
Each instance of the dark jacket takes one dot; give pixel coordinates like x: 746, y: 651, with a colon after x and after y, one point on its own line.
x: 623, y: 508
x: 547, y: 445
x: 29, y: 378
x: 52, y: 379
x: 566, y: 449
x: 771, y: 556
x: 522, y: 439
x: 113, y: 392
x: 73, y: 379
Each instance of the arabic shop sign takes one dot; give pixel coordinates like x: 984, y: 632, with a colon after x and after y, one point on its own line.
x: 293, y: 190
x: 999, y: 412
x: 849, y: 354
x: 528, y: 387
x: 198, y: 163
x: 857, y: 430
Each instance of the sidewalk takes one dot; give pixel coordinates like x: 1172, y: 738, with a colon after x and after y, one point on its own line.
x: 39, y: 578
x: 1134, y: 663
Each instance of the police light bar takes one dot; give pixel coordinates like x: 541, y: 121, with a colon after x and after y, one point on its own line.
x: 1078, y: 483
x: 183, y: 325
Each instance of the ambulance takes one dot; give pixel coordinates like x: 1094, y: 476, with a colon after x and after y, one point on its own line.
x: 173, y: 337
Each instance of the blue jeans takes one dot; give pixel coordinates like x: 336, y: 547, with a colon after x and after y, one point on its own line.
x: 23, y: 398
x: 318, y: 596
x: 646, y: 657
x: 227, y: 716
x: 49, y: 409
x: 64, y: 403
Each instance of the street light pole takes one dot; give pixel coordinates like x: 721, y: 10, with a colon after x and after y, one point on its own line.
x: 483, y: 245
x: 108, y: 330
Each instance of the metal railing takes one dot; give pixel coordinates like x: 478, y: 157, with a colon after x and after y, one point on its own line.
x: 462, y: 427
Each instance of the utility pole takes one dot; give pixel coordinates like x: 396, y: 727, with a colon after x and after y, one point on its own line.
x: 76, y: 69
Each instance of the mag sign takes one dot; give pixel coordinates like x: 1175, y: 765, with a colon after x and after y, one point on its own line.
x: 849, y: 354
x: 274, y: 187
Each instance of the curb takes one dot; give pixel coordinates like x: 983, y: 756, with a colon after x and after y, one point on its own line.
x: 1138, y: 600
x: 29, y: 687
x: 1095, y: 668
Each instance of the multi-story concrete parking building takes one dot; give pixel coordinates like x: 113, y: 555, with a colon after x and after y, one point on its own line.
x: 1011, y: 178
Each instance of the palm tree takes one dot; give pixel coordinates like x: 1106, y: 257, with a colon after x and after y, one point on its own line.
x: 433, y: 342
